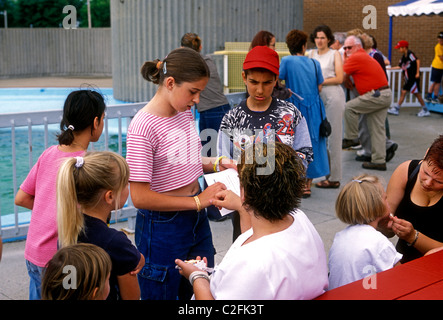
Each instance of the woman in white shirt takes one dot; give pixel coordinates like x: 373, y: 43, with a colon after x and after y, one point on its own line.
x: 281, y: 256
x: 333, y: 98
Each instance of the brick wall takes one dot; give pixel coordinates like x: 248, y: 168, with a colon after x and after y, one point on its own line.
x: 420, y: 31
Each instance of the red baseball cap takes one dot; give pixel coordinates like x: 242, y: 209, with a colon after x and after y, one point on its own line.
x: 402, y: 44
x: 262, y: 57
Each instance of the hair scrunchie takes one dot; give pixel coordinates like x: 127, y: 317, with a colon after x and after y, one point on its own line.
x: 80, y: 162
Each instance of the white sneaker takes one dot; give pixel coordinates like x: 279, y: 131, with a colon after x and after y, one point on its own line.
x: 423, y: 113
x: 393, y: 110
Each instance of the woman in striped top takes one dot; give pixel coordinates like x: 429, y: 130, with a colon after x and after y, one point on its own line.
x: 164, y: 156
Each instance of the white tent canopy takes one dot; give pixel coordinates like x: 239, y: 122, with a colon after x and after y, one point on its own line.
x: 411, y: 8
x: 416, y: 7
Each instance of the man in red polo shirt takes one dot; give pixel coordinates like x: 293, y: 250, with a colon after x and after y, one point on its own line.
x: 374, y: 100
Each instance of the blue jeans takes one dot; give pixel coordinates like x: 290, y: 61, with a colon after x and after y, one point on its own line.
x: 35, y: 283
x: 211, y: 119
x: 163, y: 237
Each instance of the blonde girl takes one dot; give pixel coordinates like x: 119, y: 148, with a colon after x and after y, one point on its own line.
x: 77, y: 272
x: 164, y: 154
x: 82, y: 123
x: 88, y: 189
x: 360, y: 250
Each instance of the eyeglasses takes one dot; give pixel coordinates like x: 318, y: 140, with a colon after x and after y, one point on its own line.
x: 348, y: 47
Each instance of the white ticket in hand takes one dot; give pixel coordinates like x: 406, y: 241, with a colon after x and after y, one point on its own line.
x: 229, y: 178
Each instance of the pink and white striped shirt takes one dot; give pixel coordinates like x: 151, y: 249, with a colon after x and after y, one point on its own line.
x: 165, y: 152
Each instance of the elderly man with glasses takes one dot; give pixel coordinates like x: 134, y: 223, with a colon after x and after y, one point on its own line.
x: 374, y: 100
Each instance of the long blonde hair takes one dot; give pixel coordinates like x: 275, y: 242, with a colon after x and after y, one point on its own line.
x: 361, y: 200
x: 81, y: 183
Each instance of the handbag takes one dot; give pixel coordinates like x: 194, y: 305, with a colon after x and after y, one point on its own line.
x: 325, y: 126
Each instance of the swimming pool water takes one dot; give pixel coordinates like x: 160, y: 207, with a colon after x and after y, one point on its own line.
x: 37, y: 99
x: 34, y: 99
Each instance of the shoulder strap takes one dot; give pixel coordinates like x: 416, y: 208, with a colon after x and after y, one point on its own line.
x: 315, y: 68
x: 414, y: 172
x: 323, y: 116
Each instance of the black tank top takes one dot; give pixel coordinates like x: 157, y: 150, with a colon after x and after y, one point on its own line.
x: 427, y: 220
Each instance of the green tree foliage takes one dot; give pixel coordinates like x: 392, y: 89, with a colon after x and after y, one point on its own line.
x: 9, y: 6
x: 100, y: 14
x: 49, y: 13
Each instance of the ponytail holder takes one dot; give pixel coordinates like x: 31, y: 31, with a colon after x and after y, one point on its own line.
x: 80, y: 162
x: 71, y: 127
x: 164, y: 66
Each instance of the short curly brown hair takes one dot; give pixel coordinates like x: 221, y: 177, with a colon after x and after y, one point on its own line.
x: 275, y: 193
x: 295, y: 40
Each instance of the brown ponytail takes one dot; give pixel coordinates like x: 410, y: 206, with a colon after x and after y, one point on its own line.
x: 183, y: 64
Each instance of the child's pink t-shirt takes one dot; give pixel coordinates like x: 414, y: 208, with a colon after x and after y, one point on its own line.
x: 41, y: 243
x: 166, y: 152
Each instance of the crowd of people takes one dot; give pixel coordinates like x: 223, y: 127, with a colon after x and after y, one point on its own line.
x: 273, y: 139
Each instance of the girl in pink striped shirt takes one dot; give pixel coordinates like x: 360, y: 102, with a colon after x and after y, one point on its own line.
x: 164, y: 156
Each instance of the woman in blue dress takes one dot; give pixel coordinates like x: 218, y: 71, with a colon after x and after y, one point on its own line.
x: 304, y: 77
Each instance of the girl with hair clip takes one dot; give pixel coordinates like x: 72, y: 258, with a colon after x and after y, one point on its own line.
x: 164, y: 155
x: 360, y: 250
x: 92, y: 267
x: 82, y: 123
x: 212, y: 107
x: 88, y: 189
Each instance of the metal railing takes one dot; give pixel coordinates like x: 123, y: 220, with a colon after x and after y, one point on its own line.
x: 14, y: 225
x: 32, y: 122
x: 396, y: 84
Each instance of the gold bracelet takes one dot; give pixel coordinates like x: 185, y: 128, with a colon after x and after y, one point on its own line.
x: 197, y: 202
x: 217, y: 161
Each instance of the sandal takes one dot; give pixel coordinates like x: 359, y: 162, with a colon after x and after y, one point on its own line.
x: 326, y: 184
x: 307, y: 190
x: 306, y: 193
